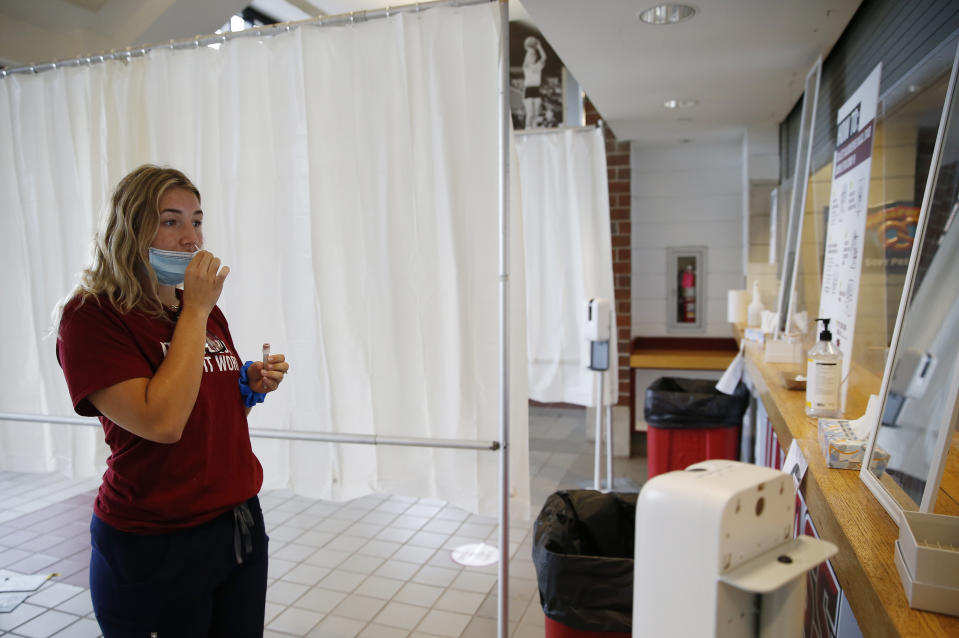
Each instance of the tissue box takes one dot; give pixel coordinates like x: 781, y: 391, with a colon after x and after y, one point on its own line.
x: 783, y: 351
x: 843, y: 449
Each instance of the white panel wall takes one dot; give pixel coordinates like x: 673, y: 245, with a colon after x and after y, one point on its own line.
x: 687, y: 195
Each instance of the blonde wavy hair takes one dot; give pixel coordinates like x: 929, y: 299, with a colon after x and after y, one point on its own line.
x: 121, y: 270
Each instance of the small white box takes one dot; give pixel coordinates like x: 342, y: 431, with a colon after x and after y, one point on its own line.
x: 783, y: 351
x: 937, y: 598
x: 930, y: 547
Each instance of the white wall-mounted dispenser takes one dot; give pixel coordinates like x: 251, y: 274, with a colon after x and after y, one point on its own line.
x: 715, y: 554
x: 597, y: 330
x: 597, y: 319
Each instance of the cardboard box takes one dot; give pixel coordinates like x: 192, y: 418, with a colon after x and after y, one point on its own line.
x: 843, y: 449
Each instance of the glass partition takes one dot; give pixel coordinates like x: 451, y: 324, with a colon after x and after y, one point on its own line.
x: 785, y: 304
x: 911, y: 450
x: 907, y: 121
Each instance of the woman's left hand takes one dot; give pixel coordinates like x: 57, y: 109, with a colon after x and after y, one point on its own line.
x: 269, y: 378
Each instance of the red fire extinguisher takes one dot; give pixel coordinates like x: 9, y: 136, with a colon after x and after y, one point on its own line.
x: 687, y: 295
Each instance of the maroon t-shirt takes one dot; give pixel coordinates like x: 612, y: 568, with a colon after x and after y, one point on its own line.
x: 154, y: 487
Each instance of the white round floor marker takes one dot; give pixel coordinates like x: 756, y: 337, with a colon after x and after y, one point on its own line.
x: 475, y: 555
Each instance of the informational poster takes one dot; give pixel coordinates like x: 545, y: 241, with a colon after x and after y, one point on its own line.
x: 848, y: 209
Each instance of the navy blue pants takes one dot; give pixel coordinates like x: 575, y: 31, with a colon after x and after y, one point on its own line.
x: 183, y: 584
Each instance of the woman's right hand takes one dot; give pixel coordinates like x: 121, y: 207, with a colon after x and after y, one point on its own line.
x: 157, y: 408
x: 203, y: 282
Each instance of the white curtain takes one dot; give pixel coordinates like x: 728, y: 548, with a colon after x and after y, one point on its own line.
x: 349, y: 179
x: 568, y: 260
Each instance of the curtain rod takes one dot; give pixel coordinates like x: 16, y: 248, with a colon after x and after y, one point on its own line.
x: 204, y: 40
x: 557, y: 129
x: 292, y: 435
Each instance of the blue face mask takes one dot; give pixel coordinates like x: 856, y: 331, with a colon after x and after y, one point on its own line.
x: 169, y: 265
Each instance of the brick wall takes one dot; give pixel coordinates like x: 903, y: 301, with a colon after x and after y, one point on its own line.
x: 618, y: 169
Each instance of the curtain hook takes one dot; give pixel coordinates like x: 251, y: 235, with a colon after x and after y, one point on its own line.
x: 387, y: 11
x: 352, y: 20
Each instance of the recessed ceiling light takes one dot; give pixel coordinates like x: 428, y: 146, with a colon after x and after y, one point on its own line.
x: 680, y: 104
x: 667, y: 14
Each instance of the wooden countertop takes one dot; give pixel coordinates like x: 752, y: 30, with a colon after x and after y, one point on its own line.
x: 682, y: 353
x: 681, y: 359
x: 846, y: 513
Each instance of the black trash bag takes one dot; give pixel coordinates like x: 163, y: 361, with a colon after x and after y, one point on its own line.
x: 672, y: 402
x: 583, y: 553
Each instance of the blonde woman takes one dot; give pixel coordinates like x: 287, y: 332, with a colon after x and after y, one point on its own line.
x: 178, y: 542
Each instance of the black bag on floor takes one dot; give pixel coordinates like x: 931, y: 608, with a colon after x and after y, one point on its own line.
x: 583, y: 553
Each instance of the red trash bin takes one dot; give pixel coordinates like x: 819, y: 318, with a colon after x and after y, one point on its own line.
x: 691, y: 421
x: 559, y: 630
x: 676, y: 449
x: 583, y: 553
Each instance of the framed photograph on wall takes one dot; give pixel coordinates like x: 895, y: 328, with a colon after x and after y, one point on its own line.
x: 536, y: 80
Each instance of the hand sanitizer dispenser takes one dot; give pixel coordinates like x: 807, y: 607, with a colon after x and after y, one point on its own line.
x: 715, y: 554
x: 597, y: 332
x: 597, y: 319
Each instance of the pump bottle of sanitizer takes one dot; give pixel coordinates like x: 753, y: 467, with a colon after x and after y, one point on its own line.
x: 823, y: 376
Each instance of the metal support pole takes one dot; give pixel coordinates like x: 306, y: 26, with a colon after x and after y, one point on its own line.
x: 291, y: 435
x: 609, y: 447
x: 219, y: 38
x: 502, y: 597
x: 598, y: 456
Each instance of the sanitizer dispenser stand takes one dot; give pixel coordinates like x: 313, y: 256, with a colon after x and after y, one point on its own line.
x: 598, y: 335
x: 715, y: 554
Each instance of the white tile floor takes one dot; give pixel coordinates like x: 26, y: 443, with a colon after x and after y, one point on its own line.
x: 376, y: 567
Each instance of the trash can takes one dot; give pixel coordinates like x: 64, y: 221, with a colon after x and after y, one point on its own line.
x: 583, y: 554
x: 691, y: 421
